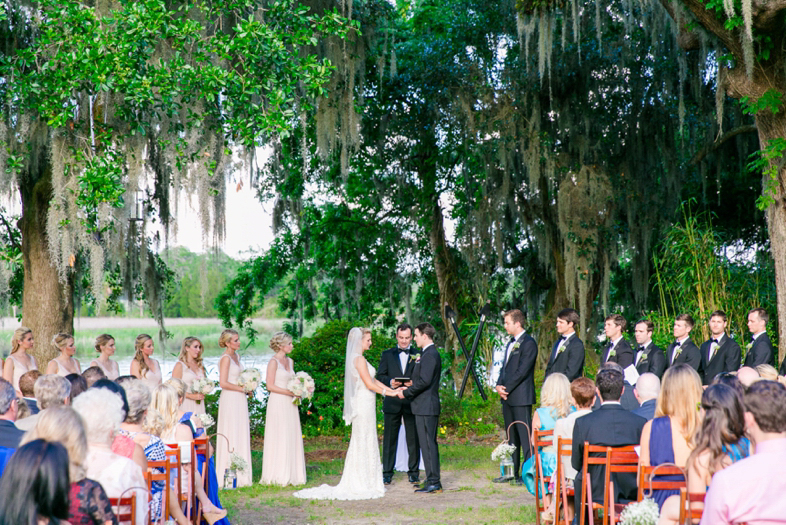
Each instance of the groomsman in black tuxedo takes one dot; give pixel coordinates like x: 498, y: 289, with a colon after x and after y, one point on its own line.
x: 648, y: 358
x: 683, y: 350
x: 617, y: 349
x: 567, y: 354
x: 759, y: 350
x: 516, y: 388
x: 424, y: 394
x: 393, y: 363
x: 721, y: 353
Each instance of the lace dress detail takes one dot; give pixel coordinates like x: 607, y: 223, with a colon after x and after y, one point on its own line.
x: 362, y: 476
x: 89, y: 504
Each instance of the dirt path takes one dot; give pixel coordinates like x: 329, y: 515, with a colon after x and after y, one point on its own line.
x: 468, y: 498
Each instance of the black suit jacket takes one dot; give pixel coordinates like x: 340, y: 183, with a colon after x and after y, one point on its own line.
x: 611, y: 426
x: 9, y: 434
x: 424, y: 392
x: 519, y: 377
x: 623, y: 354
x: 570, y: 361
x: 390, y: 368
x: 654, y: 363
x: 760, y: 353
x: 690, y: 355
x: 726, y: 359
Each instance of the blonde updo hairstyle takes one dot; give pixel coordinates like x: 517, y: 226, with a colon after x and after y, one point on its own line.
x: 59, y: 341
x: 63, y: 424
x: 278, y: 341
x: 101, y: 340
x: 179, y: 386
x: 162, y: 414
x: 556, y: 395
x: 188, y: 341
x: 19, y: 334
x: 139, y: 356
x: 225, y: 336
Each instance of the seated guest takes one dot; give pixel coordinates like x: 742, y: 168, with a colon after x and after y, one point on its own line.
x: 720, y: 442
x: 26, y: 386
x: 751, y: 490
x: 731, y: 380
x: 34, y: 486
x: 669, y: 437
x: 50, y: 390
x: 646, y: 391
x: 93, y: 374
x: 611, y: 426
x: 123, y: 445
x: 9, y: 406
x: 748, y: 376
x: 555, y: 403
x: 78, y: 385
x: 582, y: 390
x: 628, y: 399
x: 89, y: 504
x: 101, y: 413
x: 767, y: 372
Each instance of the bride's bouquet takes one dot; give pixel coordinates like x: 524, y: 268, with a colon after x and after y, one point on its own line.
x: 202, y: 386
x: 302, y: 385
x: 249, y: 379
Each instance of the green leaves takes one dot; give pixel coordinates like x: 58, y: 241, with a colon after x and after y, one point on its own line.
x: 771, y: 100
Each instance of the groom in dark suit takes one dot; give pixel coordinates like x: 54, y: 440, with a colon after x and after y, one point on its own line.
x: 683, y: 350
x: 516, y: 388
x: 424, y: 394
x: 567, y: 354
x: 394, y: 363
x: 721, y: 353
x: 759, y: 350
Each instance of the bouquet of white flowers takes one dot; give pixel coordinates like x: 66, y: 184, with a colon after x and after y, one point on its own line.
x: 644, y: 512
x: 206, y: 420
x: 203, y: 386
x: 302, y: 385
x: 237, y: 463
x: 249, y: 379
x: 502, y: 451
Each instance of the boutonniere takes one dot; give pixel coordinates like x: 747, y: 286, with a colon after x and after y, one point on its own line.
x: 612, y: 352
x: 679, y: 351
x: 414, y: 357
x: 643, y: 357
x: 514, y: 347
x: 748, y: 346
x: 561, y: 349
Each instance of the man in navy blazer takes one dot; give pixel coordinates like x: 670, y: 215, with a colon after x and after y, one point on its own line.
x: 720, y: 353
x: 610, y: 426
x: 646, y: 391
x: 759, y: 350
x: 9, y: 408
x: 683, y: 350
x: 398, y: 361
x: 516, y: 388
x: 567, y: 354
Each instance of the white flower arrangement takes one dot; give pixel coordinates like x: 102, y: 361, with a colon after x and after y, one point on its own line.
x: 249, y: 379
x: 644, y: 512
x: 206, y: 420
x: 503, y: 451
x: 203, y: 386
x: 302, y: 385
x: 237, y: 463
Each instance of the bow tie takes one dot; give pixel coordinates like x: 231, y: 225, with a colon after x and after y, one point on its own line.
x: 563, y: 337
x: 611, y: 343
x: 715, y: 341
x: 512, y: 340
x: 641, y: 348
x: 404, y: 350
x: 677, y: 343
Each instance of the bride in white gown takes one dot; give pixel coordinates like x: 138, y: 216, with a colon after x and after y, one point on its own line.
x: 362, y: 476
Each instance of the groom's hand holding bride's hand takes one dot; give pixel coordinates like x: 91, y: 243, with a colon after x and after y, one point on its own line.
x: 400, y: 393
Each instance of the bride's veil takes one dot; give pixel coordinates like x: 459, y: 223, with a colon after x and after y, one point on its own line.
x: 354, y: 341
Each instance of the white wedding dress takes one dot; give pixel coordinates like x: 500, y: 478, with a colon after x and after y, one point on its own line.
x: 362, y: 476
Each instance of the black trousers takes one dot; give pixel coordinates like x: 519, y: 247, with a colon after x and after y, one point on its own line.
x: 519, y: 435
x: 390, y: 443
x: 427, y: 438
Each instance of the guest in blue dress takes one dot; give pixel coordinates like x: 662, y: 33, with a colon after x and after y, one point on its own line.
x: 719, y: 442
x: 669, y: 437
x: 555, y: 403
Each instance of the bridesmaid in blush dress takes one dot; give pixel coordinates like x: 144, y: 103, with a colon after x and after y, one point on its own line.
x: 19, y: 361
x: 188, y: 369
x: 143, y: 366
x: 65, y: 363
x: 233, y: 421
x: 105, y: 346
x: 283, y: 461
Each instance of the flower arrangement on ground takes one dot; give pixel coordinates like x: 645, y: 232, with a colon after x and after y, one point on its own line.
x: 644, y: 512
x: 502, y: 452
x: 237, y: 463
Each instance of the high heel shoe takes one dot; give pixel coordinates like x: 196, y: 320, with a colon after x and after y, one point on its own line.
x: 212, y: 517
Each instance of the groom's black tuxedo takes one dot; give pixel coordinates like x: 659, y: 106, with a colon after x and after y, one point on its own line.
x: 726, y: 358
x: 760, y: 352
x: 623, y: 354
x: 690, y: 355
x: 653, y: 360
x: 424, y: 394
x: 395, y: 409
x: 569, y: 361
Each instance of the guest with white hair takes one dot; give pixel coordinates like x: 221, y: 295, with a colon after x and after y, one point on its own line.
x: 101, y: 413
x: 9, y: 406
x: 646, y: 391
x: 50, y: 390
x: 748, y: 375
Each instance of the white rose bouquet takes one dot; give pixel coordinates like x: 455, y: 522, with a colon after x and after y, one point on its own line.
x: 203, y: 386
x: 302, y: 385
x: 249, y: 379
x: 206, y: 420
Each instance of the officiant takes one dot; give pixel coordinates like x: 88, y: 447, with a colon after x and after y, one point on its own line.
x: 395, y: 368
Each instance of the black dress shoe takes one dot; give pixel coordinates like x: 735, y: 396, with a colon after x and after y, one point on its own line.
x: 413, y: 478
x: 517, y: 482
x: 437, y: 487
x: 387, y: 480
x: 502, y: 479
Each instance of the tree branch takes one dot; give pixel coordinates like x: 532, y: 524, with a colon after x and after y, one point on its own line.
x: 710, y: 22
x: 699, y: 156
x: 10, y: 233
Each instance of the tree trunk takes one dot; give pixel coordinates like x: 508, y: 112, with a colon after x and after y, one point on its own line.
x: 48, y: 303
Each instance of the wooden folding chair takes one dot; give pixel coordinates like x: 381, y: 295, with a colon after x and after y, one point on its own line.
x: 164, y: 476
x: 647, y: 473
x: 199, y: 450
x: 561, y: 490
x: 124, y: 508
x: 588, y: 506
x: 618, y: 461
x: 689, y: 511
x: 540, y: 439
x: 174, y: 456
